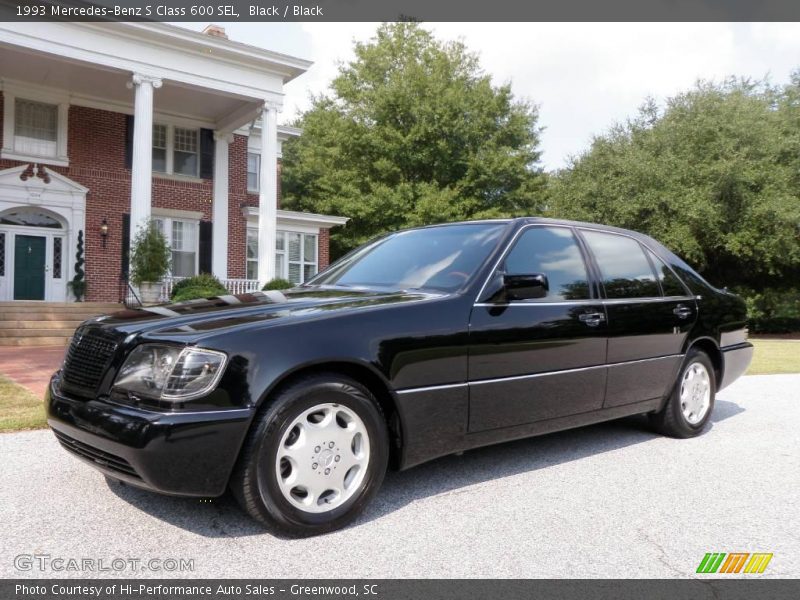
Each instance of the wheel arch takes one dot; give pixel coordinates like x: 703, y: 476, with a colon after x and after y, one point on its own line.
x: 711, y: 348
x: 366, y: 375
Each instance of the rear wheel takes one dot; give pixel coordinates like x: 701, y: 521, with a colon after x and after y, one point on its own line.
x: 314, y: 458
x: 689, y: 406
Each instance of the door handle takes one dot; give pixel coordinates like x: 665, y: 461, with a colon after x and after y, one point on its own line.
x: 683, y: 312
x: 592, y: 319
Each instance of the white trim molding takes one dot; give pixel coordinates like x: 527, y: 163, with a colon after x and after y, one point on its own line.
x: 66, y: 200
x: 11, y: 93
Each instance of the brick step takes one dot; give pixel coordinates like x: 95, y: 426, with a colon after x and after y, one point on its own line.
x: 60, y: 340
x: 63, y: 324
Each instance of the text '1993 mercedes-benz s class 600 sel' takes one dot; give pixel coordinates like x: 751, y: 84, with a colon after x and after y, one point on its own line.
x: 419, y: 344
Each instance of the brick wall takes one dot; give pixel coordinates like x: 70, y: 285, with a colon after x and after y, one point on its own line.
x: 96, y: 147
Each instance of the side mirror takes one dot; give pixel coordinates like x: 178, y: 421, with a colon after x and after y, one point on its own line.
x: 525, y: 287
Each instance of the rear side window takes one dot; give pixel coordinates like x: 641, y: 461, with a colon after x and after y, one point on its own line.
x: 625, y: 270
x: 670, y: 283
x: 554, y: 252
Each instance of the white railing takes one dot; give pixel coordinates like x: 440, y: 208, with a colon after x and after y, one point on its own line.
x: 234, y: 286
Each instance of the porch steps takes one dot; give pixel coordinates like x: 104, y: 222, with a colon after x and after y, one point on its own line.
x: 46, y: 323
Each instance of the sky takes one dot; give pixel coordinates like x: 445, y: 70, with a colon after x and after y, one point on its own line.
x: 584, y: 77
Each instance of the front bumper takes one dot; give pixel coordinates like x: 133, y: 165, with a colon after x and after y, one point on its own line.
x: 735, y: 360
x: 185, y: 454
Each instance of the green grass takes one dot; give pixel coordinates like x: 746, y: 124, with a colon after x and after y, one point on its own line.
x: 19, y: 407
x: 775, y: 356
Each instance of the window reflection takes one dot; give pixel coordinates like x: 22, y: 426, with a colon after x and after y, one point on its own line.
x: 554, y: 252
x: 623, y: 265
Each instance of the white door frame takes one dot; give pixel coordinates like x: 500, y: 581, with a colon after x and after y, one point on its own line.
x: 66, y: 201
x: 55, y: 289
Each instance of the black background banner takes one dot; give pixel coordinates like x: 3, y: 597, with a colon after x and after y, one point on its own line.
x: 393, y: 10
x: 739, y: 588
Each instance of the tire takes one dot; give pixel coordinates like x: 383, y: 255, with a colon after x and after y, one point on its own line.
x: 296, y: 446
x: 689, y: 406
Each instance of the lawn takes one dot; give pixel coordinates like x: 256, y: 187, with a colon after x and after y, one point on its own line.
x: 775, y: 356
x: 19, y: 407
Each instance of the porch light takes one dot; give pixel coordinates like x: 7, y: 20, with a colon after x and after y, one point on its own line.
x: 104, y: 231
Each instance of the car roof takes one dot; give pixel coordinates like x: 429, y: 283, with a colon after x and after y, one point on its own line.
x: 538, y: 220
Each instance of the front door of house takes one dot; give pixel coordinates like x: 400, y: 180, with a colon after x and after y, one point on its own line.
x: 29, y: 267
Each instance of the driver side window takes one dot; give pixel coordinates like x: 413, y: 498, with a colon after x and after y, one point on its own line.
x: 554, y: 252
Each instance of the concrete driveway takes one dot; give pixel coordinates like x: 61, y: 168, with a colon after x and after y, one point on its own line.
x: 611, y: 500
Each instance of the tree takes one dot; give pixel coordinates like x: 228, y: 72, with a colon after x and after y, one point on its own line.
x: 413, y: 132
x: 715, y: 175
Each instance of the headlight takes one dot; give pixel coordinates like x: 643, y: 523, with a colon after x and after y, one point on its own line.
x: 164, y: 372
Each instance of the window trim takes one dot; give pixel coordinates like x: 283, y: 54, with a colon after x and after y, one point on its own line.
x: 9, y: 152
x: 510, y: 244
x: 257, y: 189
x: 285, y: 252
x: 170, y: 150
x: 167, y: 218
x: 644, y: 248
x: 594, y: 274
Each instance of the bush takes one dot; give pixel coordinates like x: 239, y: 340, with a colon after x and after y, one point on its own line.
x: 193, y: 293
x: 278, y: 284
x: 772, y: 310
x: 203, y: 280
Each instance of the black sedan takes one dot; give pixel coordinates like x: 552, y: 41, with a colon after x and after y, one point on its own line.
x: 419, y: 344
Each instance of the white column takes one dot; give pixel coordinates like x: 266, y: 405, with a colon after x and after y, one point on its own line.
x: 142, y: 165
x: 268, y: 193
x: 219, y: 210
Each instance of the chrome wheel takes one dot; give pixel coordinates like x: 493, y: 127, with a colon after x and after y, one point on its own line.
x: 695, y: 393
x: 322, y: 458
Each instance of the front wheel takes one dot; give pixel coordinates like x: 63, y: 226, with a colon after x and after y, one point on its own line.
x: 314, y: 457
x: 689, y: 406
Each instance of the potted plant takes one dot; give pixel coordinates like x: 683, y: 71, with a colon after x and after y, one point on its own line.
x: 150, y: 261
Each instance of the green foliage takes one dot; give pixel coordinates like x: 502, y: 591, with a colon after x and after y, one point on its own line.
x: 78, y: 283
x: 413, y: 132
x: 150, y: 255
x: 202, y: 282
x: 194, y: 292
x: 715, y: 175
x: 772, y: 310
x: 278, y: 284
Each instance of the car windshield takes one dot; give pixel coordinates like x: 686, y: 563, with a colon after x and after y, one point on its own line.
x: 440, y: 258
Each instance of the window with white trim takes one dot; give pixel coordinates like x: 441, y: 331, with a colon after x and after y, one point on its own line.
x: 296, y: 255
x: 253, y: 172
x: 176, y: 150
x: 182, y: 237
x: 35, y: 128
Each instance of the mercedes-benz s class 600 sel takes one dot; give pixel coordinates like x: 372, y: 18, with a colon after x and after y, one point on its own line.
x: 419, y: 344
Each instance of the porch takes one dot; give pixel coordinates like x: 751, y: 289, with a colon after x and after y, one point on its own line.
x: 128, y: 122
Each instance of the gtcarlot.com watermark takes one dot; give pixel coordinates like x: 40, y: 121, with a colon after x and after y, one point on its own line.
x: 59, y: 564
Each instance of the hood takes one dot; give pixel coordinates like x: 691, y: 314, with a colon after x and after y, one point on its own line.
x: 195, y: 318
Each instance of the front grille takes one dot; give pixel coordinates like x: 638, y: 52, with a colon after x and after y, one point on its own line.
x: 87, y: 359
x: 97, y: 456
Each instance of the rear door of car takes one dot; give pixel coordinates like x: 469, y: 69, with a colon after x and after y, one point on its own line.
x: 649, y: 311
x: 538, y: 359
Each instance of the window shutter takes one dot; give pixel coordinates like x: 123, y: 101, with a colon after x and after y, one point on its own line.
x: 204, y: 259
x: 206, y: 154
x: 128, y: 141
x: 126, y: 246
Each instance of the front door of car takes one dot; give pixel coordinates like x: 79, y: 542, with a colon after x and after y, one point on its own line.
x: 650, y: 313
x: 539, y: 358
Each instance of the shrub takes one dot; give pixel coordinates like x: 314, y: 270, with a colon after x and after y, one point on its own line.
x: 150, y: 255
x: 278, y: 284
x: 203, y: 280
x: 193, y: 293
x: 772, y: 310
